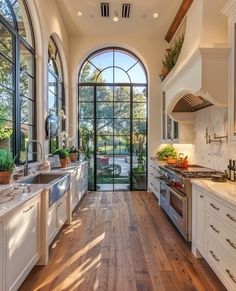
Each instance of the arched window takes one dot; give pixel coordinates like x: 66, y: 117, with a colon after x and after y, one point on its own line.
x: 56, y: 96
x: 17, y: 79
x: 113, y: 119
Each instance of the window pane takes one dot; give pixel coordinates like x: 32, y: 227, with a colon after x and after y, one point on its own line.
x: 6, y: 72
x: 106, y: 76
x: 139, y: 94
x: 5, y: 11
x: 122, y: 145
x: 122, y: 93
x: 6, y: 134
x: 137, y: 74
x: 86, y: 110
x: 52, y: 83
x: 23, y: 21
x: 120, y: 76
x: 139, y: 126
x: 104, y: 146
x: 26, y: 60
x: 86, y: 127
x: 52, y: 103
x: 103, y: 60
x: 5, y: 41
x: 104, y: 126
x: 6, y: 104
x: 123, y: 60
x: 26, y: 86
x: 27, y: 133
x: 86, y: 93
x: 88, y: 73
x: 104, y: 93
x: 104, y: 110
x: 139, y: 110
x: 121, y: 110
x: 121, y: 126
x: 27, y: 111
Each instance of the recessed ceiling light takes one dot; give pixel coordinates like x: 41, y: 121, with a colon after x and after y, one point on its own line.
x: 155, y: 15
x: 79, y: 13
x: 115, y: 19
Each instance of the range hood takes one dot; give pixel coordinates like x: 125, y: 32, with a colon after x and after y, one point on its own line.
x: 200, y: 76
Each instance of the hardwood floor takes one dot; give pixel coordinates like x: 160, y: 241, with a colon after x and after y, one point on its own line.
x: 121, y: 241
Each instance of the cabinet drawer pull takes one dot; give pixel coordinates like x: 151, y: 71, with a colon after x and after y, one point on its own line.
x: 216, y: 230
x: 214, y: 256
x: 231, y: 217
x: 215, y: 207
x: 28, y: 209
x: 231, y: 275
x: 231, y: 243
x: 201, y: 196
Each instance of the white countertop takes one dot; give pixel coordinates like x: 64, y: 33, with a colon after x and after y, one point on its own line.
x: 224, y: 190
x: 20, y: 198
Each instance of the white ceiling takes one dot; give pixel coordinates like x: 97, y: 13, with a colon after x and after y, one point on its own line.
x: 140, y: 22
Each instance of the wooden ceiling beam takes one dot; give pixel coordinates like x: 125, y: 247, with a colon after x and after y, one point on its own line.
x: 178, y: 19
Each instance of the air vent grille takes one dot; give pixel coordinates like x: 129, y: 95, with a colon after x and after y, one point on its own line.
x: 191, y: 103
x: 126, y: 10
x: 105, y: 9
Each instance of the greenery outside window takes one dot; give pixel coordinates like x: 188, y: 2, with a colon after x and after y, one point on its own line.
x: 56, y: 95
x: 17, y: 79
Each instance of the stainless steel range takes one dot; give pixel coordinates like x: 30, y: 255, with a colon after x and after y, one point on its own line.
x: 176, y: 194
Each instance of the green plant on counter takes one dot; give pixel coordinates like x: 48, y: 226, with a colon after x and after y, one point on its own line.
x: 7, y: 162
x: 172, y: 54
x: 165, y: 152
x: 63, y: 153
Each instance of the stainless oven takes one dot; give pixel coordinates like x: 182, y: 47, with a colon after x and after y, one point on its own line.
x: 175, y: 204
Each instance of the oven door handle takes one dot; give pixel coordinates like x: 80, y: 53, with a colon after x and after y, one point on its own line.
x: 182, y: 198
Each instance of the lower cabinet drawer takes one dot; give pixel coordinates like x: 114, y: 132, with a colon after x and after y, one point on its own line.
x: 223, y: 265
x: 223, y: 234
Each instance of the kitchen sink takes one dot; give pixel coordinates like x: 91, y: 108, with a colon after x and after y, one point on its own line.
x: 56, y: 184
x: 42, y: 178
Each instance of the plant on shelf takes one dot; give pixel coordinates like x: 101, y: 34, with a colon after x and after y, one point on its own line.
x: 74, y: 154
x: 171, y: 57
x: 7, y: 164
x: 63, y: 156
x: 167, y: 152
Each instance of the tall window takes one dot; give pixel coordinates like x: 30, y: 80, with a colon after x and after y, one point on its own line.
x: 17, y: 78
x: 56, y: 96
x: 113, y: 120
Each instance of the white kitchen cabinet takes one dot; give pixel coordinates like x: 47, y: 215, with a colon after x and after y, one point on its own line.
x: 198, y: 221
x: 22, y: 242
x: 214, y: 233
x: 57, y: 216
x: 154, y: 183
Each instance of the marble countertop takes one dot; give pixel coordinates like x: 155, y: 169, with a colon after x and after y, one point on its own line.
x: 224, y: 190
x: 11, y: 199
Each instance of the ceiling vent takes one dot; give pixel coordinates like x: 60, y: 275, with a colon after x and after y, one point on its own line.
x: 126, y: 10
x: 105, y: 9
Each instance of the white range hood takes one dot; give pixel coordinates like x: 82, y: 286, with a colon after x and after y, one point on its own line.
x: 202, y: 67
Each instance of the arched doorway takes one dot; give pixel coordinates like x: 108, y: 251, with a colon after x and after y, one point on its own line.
x: 113, y: 120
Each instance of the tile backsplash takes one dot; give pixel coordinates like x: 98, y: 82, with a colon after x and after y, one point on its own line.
x: 214, y: 155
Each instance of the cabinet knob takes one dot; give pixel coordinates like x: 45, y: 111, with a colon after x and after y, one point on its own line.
x: 201, y: 196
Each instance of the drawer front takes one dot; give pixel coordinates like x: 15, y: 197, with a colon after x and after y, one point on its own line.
x: 221, y: 263
x: 225, y: 212
x: 222, y: 234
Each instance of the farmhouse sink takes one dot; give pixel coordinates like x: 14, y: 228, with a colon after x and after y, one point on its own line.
x: 56, y: 184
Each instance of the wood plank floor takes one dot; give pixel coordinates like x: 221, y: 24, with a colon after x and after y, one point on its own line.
x: 121, y: 241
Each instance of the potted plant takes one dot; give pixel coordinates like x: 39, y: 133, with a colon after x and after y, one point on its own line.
x: 6, y: 166
x: 74, y: 154
x: 63, y: 156
x: 139, y: 172
x: 167, y: 152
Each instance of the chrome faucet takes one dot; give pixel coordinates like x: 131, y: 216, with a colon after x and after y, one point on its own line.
x: 26, y: 166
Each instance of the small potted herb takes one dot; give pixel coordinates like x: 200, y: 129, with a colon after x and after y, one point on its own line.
x: 6, y: 166
x: 167, y: 152
x: 74, y: 154
x: 63, y: 156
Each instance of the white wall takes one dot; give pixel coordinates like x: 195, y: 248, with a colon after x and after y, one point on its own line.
x: 149, y: 50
